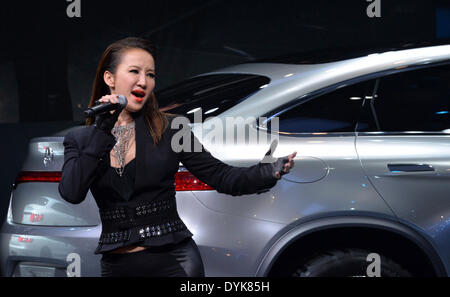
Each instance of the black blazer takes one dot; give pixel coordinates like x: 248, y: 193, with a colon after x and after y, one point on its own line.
x: 86, y: 155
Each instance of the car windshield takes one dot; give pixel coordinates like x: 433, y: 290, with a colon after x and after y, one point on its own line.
x: 213, y: 93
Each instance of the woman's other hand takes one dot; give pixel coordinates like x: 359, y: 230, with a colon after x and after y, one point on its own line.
x: 286, y: 162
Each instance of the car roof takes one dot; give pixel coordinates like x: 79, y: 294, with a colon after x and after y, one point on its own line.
x: 327, y: 55
x: 369, y: 62
x: 290, y: 81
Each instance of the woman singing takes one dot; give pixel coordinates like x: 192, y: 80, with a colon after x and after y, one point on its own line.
x: 126, y: 160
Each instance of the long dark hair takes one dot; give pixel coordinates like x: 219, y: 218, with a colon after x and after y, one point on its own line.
x: 156, y: 120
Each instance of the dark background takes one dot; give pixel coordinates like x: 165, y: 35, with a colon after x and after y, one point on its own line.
x: 48, y: 60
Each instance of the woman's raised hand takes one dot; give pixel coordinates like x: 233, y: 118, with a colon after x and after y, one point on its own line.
x: 109, y: 98
x: 105, y: 121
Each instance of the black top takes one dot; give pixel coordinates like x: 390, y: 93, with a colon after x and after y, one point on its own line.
x: 144, y: 212
x: 120, y: 188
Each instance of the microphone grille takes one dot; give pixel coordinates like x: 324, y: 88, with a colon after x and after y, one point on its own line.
x: 122, y: 100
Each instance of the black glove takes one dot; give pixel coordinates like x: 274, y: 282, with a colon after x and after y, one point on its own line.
x: 277, y: 164
x: 105, y: 121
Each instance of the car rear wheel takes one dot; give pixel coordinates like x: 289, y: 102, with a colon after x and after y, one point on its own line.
x: 350, y: 263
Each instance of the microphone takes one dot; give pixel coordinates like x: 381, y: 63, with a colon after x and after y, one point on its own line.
x: 106, y: 107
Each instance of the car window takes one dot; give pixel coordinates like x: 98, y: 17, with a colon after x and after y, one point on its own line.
x: 212, y: 93
x: 336, y: 111
x: 415, y: 100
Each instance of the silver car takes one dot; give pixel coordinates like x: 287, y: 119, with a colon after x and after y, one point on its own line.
x: 369, y: 194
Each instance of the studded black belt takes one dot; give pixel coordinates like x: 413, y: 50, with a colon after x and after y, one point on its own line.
x: 162, y: 229
x: 143, y: 232
x: 114, y: 237
x: 141, y: 210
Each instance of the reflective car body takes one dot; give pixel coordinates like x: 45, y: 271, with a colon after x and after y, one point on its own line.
x: 372, y: 171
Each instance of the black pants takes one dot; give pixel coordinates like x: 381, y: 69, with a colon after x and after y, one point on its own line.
x: 176, y: 260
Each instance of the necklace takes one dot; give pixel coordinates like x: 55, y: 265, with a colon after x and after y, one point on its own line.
x: 123, y: 135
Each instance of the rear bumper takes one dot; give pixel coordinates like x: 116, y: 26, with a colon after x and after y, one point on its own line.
x: 48, y: 251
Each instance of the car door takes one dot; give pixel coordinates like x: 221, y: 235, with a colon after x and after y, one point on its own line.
x: 404, y: 146
x: 327, y: 177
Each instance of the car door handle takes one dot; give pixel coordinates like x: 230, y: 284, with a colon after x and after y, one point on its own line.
x: 410, y: 167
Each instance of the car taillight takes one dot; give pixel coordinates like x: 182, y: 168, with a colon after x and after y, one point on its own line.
x: 23, y: 239
x: 36, y: 176
x: 185, y: 181
x: 35, y: 217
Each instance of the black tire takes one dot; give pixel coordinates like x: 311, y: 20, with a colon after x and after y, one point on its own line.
x: 348, y: 263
